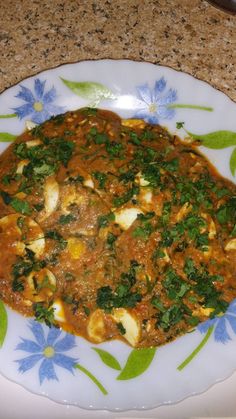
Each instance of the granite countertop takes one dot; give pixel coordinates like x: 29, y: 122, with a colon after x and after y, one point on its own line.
x: 187, y: 35
x: 190, y: 36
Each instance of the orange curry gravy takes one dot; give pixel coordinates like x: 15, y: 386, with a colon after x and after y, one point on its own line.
x: 113, y: 228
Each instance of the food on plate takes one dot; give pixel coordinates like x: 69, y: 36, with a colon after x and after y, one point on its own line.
x: 114, y: 228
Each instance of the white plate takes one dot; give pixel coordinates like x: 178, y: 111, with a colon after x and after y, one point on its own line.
x: 118, y: 378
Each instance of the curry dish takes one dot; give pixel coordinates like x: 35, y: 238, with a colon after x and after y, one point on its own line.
x: 113, y: 228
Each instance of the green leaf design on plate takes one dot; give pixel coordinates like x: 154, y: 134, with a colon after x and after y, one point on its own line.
x: 3, y: 323
x: 108, y: 359
x: 187, y: 106
x: 137, y: 362
x: 196, y: 350
x: 92, y: 378
x: 94, y: 92
x: 216, y: 140
x: 232, y: 162
x: 8, y: 115
x: 5, y: 137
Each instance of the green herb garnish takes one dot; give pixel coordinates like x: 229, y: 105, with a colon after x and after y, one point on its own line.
x: 66, y: 219
x: 44, y: 314
x: 101, y: 178
x: 121, y: 328
x: 54, y: 235
x: 105, y: 220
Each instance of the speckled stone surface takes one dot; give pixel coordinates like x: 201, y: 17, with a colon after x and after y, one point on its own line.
x: 190, y: 36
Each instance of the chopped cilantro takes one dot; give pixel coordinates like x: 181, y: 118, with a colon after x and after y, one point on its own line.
x: 89, y: 111
x: 31, y: 256
x: 17, y: 285
x: 37, y: 131
x: 171, y: 165
x: 44, y: 284
x: 58, y: 119
x: 147, y: 135
x: 6, y: 197
x: 166, y: 210
x: 196, y: 192
x: 66, y: 219
x: 105, y: 298
x: 175, y: 286
x: 182, y: 245
x: 145, y: 217
x: 100, y: 138
x: 44, y: 169
x: 23, y: 267
x: 44, y: 159
x: 68, y: 299
x: 202, y: 241
x: 20, y: 222
x: 44, y: 314
x: 220, y: 193
x: 76, y: 179
x: 190, y: 269
x: 143, y: 232
x: 233, y: 232
x: 156, y: 302
x: 146, y: 228
x: 172, y: 234
x: 170, y: 317
x: 158, y: 253
x: 97, y: 137
x: 86, y: 310
x: 191, y: 225
x: 127, y: 177
x: 227, y: 212
x: 150, y: 284
x: 104, y: 220
x: 129, y: 278
x: 114, y: 149
x: 39, y: 207
x: 123, y: 296
x: 204, y: 286
x: 10, y: 177
x: 151, y: 174
x: 101, y: 178
x: 54, y: 235
x: 111, y: 238
x: 17, y: 204
x: 25, y: 187
x: 63, y: 150
x: 118, y: 201
x: 134, y: 138
x: 121, y: 328
x: 20, y: 206
x: 21, y: 150
x: 179, y: 125
x: 193, y: 320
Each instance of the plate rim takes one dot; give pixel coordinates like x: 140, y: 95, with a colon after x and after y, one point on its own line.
x: 114, y: 60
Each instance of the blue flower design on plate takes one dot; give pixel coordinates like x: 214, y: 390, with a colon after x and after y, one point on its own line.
x: 39, y: 103
x: 155, y: 104
x: 48, y: 350
x: 221, y: 333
